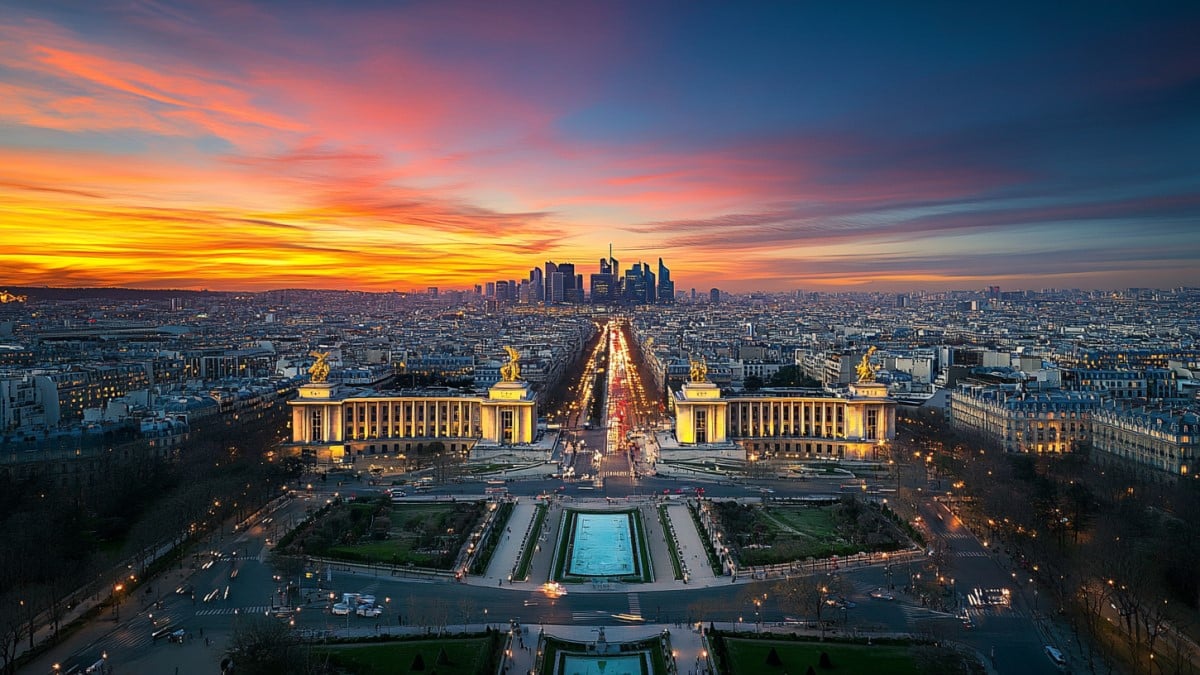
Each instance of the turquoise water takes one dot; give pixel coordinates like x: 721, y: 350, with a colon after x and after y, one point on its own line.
x: 602, y: 546
x: 601, y: 665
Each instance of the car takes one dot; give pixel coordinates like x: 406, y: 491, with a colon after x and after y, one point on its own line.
x: 880, y: 594
x: 369, y: 610
x: 1055, y: 655
x: 340, y: 609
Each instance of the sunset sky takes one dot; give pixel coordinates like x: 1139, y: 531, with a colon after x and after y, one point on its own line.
x: 237, y: 145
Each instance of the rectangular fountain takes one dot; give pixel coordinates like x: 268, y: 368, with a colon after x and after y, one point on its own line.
x: 602, y: 545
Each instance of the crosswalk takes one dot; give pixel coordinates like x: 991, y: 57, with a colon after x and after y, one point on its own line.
x: 616, y: 474
x: 970, y: 554
x: 257, y: 609
x: 635, y: 605
x: 128, y: 638
x: 916, y: 612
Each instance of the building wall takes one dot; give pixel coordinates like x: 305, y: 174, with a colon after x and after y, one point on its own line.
x: 333, y: 424
x: 780, y: 424
x: 1053, y: 422
x: 1168, y: 440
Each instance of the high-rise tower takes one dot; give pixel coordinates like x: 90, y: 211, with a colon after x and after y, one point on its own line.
x: 666, y: 287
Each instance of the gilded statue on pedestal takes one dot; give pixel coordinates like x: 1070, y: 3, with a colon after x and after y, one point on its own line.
x: 319, y: 370
x: 511, y: 371
x: 699, y: 370
x: 866, y: 371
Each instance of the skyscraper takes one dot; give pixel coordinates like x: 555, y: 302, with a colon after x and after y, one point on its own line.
x: 537, y: 288
x: 553, y: 284
x: 666, y: 287
x: 603, y: 284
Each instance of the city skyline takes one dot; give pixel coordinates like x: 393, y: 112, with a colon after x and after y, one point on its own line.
x: 255, y: 146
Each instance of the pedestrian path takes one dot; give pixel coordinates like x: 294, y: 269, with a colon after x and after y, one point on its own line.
x: 970, y: 554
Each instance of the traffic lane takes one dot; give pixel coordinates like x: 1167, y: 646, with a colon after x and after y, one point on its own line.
x: 1016, y: 644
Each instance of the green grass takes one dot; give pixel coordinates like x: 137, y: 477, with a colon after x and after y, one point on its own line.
x: 672, y: 546
x: 468, y: 656
x: 815, y: 521
x: 799, y: 532
x: 749, y: 657
x: 401, y: 547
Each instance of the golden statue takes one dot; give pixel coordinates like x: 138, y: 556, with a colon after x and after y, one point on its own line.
x: 866, y: 371
x: 319, y: 370
x: 511, y: 371
x: 699, y: 370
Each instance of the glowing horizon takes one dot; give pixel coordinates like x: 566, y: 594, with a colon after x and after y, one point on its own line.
x: 250, y: 146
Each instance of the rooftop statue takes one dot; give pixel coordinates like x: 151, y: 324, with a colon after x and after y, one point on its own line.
x: 866, y: 371
x: 319, y: 370
x: 511, y: 371
x: 699, y: 370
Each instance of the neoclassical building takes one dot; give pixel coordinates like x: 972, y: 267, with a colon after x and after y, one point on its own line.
x: 1038, y: 422
x: 1167, y: 439
x: 788, y: 423
x: 334, y: 424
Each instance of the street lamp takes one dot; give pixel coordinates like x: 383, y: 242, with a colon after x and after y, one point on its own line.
x: 117, y: 600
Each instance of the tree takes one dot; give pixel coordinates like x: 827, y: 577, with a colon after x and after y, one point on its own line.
x: 752, y: 383
x: 792, y: 376
x: 264, y: 646
x: 802, y: 596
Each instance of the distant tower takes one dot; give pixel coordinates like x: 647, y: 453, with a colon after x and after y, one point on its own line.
x: 537, y: 289
x: 553, y: 284
x: 666, y: 287
x: 714, y: 296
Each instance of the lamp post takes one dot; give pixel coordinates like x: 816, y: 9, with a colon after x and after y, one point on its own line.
x: 117, y: 601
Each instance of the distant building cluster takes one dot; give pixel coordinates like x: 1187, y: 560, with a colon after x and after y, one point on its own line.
x: 560, y: 284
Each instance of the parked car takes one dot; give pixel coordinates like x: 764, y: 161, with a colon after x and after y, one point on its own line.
x: 369, y: 610
x: 340, y: 609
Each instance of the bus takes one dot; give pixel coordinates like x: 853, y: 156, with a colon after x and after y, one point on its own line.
x: 495, y: 491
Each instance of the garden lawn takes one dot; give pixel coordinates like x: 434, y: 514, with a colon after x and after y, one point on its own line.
x: 749, y: 657
x: 401, y: 546
x: 815, y: 521
x: 468, y: 656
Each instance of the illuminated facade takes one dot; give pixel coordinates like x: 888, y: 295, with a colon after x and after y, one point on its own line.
x: 1167, y: 440
x: 1038, y: 422
x: 788, y: 423
x: 335, y: 424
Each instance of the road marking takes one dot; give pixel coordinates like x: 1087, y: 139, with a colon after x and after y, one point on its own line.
x: 635, y: 605
x: 260, y: 609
